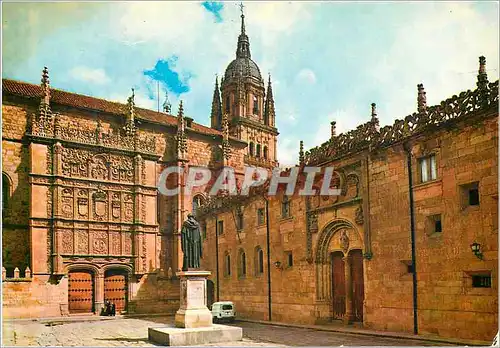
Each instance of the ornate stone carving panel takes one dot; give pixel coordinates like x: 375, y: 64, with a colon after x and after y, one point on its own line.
x: 81, y: 242
x: 99, y: 242
x: 128, y: 244
x: 115, y: 243
x: 66, y: 237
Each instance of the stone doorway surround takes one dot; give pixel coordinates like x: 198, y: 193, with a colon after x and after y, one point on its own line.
x: 340, y: 244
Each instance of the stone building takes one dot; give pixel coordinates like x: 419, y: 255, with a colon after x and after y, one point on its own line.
x: 83, y: 221
x: 414, y: 230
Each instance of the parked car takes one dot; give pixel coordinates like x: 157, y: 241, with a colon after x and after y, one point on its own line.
x: 223, y: 311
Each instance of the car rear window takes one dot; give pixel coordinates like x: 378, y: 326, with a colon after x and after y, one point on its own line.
x: 227, y: 307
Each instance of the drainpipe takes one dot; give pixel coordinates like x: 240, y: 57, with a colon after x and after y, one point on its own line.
x: 217, y: 255
x: 268, y: 261
x: 412, y: 232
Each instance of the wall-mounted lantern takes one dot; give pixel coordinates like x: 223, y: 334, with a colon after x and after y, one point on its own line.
x: 476, y: 250
x: 277, y: 264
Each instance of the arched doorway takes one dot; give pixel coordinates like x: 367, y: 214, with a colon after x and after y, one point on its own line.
x: 210, y: 293
x: 339, y: 272
x: 116, y: 288
x: 81, y: 291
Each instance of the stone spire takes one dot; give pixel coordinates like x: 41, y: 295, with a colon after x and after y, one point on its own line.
x: 181, y: 133
x: 374, y: 118
x: 482, y: 77
x: 269, y: 112
x: 130, y: 125
x: 45, y: 85
x: 167, y: 107
x: 216, y: 115
x: 243, y: 50
x: 226, y: 147
x: 333, y: 128
x: 301, y: 152
x: 421, y: 99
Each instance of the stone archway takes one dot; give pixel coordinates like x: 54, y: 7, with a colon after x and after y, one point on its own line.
x: 339, y: 263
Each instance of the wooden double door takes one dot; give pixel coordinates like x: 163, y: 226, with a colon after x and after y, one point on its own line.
x: 115, y: 289
x: 81, y: 285
x: 82, y: 290
x: 341, y: 290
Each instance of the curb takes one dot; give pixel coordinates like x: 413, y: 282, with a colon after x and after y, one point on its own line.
x: 373, y: 333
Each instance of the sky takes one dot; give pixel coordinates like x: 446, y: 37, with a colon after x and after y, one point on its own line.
x: 328, y: 60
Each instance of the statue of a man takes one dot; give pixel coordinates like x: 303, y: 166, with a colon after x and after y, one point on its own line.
x: 191, y: 243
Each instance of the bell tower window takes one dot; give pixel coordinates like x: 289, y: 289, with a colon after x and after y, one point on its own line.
x: 264, y: 153
x: 255, y: 105
x: 227, y: 104
x: 251, y: 149
x: 258, y: 151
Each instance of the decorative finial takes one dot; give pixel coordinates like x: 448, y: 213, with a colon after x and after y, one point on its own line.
x: 242, y: 19
x: 45, y: 86
x: 243, y: 49
x: 130, y: 125
x: 374, y: 118
x: 181, y: 135
x: 301, y: 152
x: 180, y: 113
x: 421, y: 99
x: 333, y: 128
x: 482, y: 77
x: 167, y: 107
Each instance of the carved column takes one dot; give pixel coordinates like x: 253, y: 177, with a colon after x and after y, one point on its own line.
x: 99, y: 292
x: 348, y: 290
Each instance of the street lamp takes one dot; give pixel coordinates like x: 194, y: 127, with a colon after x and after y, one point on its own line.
x: 476, y: 250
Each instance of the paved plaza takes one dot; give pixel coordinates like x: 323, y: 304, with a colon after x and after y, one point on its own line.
x: 134, y: 332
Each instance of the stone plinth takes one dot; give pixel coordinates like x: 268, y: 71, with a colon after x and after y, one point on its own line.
x: 193, y: 311
x: 173, y: 336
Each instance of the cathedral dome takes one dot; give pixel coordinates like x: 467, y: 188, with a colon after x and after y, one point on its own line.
x: 244, y: 67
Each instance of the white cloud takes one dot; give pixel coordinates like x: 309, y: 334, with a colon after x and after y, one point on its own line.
x: 86, y: 74
x: 441, y: 53
x: 288, y: 152
x: 307, y: 75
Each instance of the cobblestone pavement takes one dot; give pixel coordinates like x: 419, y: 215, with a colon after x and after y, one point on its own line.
x: 309, y: 337
x: 134, y: 332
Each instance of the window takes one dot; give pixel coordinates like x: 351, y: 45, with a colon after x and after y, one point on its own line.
x: 239, y: 219
x: 255, y: 105
x: 227, y: 104
x: 265, y: 152
x: 469, y: 194
x: 220, y: 227
x: 289, y: 259
x: 285, y: 207
x: 481, y: 281
x: 242, y: 264
x: 259, y: 260
x: 261, y: 217
x: 435, y: 225
x: 257, y: 153
x: 227, y: 264
x: 251, y: 148
x: 427, y: 167
x: 204, y: 230
x: 197, y: 202
x: 5, y: 191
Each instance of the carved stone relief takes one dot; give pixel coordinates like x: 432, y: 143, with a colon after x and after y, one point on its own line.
x: 358, y: 218
x: 100, y: 242
x: 66, y: 241
x: 100, y: 205
x: 81, y: 242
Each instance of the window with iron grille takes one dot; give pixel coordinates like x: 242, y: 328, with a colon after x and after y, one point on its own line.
x: 261, y: 216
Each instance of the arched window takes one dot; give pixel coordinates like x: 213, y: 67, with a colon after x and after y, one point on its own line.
x: 239, y: 218
x: 251, y: 149
x: 242, y: 264
x: 198, y: 201
x: 285, y: 207
x: 265, y: 152
x: 259, y: 260
x: 257, y: 153
x: 6, y: 187
x: 255, y: 105
x: 227, y: 264
x: 227, y: 104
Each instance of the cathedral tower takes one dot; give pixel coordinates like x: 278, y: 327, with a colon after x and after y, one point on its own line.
x: 250, y: 110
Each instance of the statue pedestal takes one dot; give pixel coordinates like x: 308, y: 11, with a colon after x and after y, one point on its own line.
x: 193, y: 320
x: 193, y: 311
